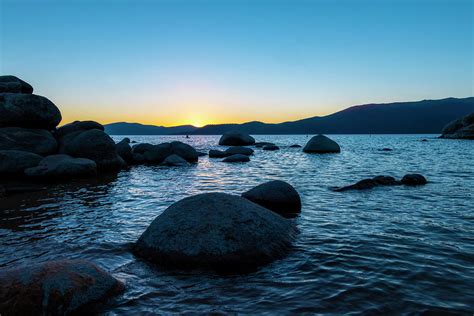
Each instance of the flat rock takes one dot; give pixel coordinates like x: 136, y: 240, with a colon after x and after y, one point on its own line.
x: 217, y: 231
x: 278, y: 196
x: 77, y: 126
x: 321, y: 144
x: 16, y: 161
x: 414, y: 179
x: 235, y: 138
x: 12, y: 84
x: 462, y: 128
x: 63, y: 166
x: 37, y: 141
x: 237, y: 158
x: 55, y: 288
x: 29, y: 111
x: 271, y: 147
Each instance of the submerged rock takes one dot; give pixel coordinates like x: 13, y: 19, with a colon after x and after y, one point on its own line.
x: 277, y: 196
x: 36, y: 141
x: 124, y: 150
x: 235, y: 138
x: 385, y: 180
x: 462, y: 128
x: 386, y: 149
x: 55, y: 288
x: 295, y: 146
x: 77, y: 126
x: 262, y: 144
x: 218, y: 231
x: 12, y: 84
x: 237, y: 158
x: 271, y: 147
x: 321, y: 144
x: 414, y: 179
x: 213, y: 153
x: 239, y: 150
x: 28, y: 110
x: 361, y: 185
x: 174, y: 160
x: 63, y: 166
x: 16, y: 161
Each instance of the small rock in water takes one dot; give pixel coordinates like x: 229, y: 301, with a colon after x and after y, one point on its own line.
x: 213, y: 153
x: 237, y: 158
x: 271, y: 147
x: 321, y: 144
x: 174, y: 161
x: 414, y: 179
x: 361, y: 185
x: 235, y: 138
x: 386, y: 149
x: 385, y: 180
x: 239, y: 150
x: 201, y: 154
x: 262, y: 144
x: 295, y: 146
x: 55, y: 288
x: 277, y: 196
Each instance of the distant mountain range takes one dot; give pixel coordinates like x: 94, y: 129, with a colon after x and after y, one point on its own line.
x: 420, y: 117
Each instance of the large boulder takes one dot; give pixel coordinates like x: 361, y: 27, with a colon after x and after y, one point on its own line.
x: 215, y: 230
x: 63, y: 166
x: 77, y: 126
x: 124, y: 150
x: 277, y: 196
x: 156, y: 154
x: 55, y: 288
x: 28, y: 110
x: 237, y: 158
x: 174, y: 161
x: 92, y: 144
x: 462, y: 128
x: 37, y: 141
x: 12, y: 84
x: 239, y: 150
x: 185, y: 151
x: 16, y: 161
x: 321, y: 144
x: 235, y: 138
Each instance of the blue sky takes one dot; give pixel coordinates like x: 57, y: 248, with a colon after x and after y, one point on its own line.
x: 199, y: 62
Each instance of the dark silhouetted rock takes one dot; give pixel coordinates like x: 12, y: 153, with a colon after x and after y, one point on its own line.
x: 321, y: 144
x: 185, y: 151
x: 271, y: 147
x: 386, y: 149
x: 124, y: 150
x: 277, y: 196
x: 156, y: 154
x: 239, y: 150
x: 414, y: 179
x: 462, y: 128
x: 217, y: 154
x: 28, y: 110
x: 2, y: 191
x: 386, y: 180
x: 262, y: 144
x: 37, y: 141
x: 12, y: 84
x: 77, y: 126
x: 235, y: 138
x: 295, y: 146
x: 92, y: 144
x: 15, y: 161
x: 201, y: 154
x: 237, y: 158
x: 55, y: 288
x: 361, y: 185
x: 63, y: 167
x: 174, y: 160
x: 218, y: 231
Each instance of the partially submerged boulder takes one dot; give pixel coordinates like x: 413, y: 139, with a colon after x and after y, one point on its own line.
x: 36, y: 141
x: 365, y: 184
x: 277, y: 196
x: 295, y: 146
x: 185, y: 151
x: 55, y: 288
x: 213, y: 153
x: 156, y: 154
x: 124, y: 150
x: 12, y: 84
x: 235, y: 138
x: 271, y: 147
x: 239, y: 150
x: 321, y: 144
x: 174, y: 161
x: 14, y: 162
x: 28, y: 110
x: 77, y: 126
x: 414, y: 179
x: 462, y: 128
x: 63, y: 166
x: 237, y: 158
x: 218, y: 231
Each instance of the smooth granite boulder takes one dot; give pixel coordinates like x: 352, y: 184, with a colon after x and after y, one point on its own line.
x: 16, y: 161
x: 414, y: 179
x: 213, y: 153
x: 235, y: 138
x: 63, y: 166
x: 77, y: 126
x: 28, y: 110
x: 271, y: 147
x: 124, y: 150
x: 321, y: 144
x: 462, y: 128
x: 36, y: 141
x: 174, y: 161
x: 237, y: 158
x: 239, y: 150
x: 218, y: 231
x: 12, y: 84
x: 55, y: 288
x: 277, y: 196
x: 185, y: 151
x: 95, y: 145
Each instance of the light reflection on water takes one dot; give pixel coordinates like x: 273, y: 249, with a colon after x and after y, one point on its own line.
x: 390, y: 249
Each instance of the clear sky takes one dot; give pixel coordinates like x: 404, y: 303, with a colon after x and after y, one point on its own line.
x: 199, y: 62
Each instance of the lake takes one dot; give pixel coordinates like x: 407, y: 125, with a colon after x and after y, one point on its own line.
x: 389, y: 250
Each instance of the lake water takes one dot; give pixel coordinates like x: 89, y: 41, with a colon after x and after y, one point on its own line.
x: 387, y: 250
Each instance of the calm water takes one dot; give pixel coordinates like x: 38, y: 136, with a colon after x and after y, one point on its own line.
x: 387, y: 250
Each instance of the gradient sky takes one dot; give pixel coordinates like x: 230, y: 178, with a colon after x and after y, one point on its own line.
x: 199, y: 62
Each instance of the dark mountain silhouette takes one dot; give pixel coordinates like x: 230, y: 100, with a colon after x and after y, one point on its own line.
x: 427, y: 116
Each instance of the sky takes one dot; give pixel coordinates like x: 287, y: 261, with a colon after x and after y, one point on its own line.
x: 230, y: 61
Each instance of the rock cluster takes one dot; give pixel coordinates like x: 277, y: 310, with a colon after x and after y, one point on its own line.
x: 462, y: 128
x: 157, y: 154
x: 365, y: 184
